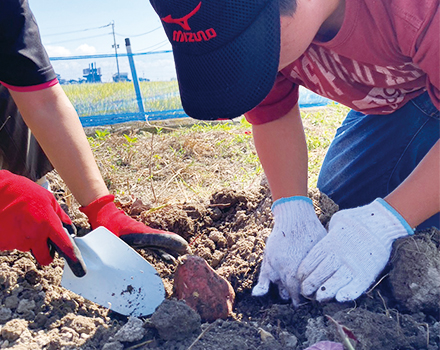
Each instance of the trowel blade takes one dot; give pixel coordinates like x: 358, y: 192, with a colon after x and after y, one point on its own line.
x: 117, y: 276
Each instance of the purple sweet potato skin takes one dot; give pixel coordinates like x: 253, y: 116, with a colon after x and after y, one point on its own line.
x: 203, y: 289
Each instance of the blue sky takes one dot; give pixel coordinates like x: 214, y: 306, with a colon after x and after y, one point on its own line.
x: 80, y: 27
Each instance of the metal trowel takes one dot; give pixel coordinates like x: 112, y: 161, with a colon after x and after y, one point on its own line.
x: 117, y: 276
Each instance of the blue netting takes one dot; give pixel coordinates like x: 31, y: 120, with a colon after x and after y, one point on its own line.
x: 107, y: 103
x: 157, y: 106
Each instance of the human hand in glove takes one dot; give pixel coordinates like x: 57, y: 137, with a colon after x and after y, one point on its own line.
x: 296, y: 230
x: 32, y: 220
x: 103, y: 212
x: 356, y: 249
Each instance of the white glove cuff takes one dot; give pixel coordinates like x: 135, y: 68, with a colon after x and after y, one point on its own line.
x: 379, y: 218
x: 396, y: 219
x: 293, y: 209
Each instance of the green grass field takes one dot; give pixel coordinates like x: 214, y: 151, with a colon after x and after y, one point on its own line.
x: 119, y: 98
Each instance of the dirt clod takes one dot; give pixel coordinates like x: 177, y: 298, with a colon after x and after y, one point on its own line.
x: 174, y: 320
x: 132, y: 331
x: 417, y: 287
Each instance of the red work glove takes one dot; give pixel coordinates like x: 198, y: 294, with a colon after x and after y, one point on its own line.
x: 103, y: 212
x: 32, y: 220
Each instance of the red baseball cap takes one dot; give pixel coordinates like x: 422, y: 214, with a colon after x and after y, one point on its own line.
x: 226, y: 53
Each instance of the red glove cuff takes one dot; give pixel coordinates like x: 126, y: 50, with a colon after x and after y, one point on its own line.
x: 100, y: 210
x: 103, y: 212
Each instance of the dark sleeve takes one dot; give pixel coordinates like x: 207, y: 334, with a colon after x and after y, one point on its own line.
x: 23, y: 59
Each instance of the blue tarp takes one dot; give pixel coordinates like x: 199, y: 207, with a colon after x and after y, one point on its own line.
x: 308, y: 98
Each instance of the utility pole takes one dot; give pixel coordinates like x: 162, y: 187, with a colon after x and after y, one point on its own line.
x: 115, y: 46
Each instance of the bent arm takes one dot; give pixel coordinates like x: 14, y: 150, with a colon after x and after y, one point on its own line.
x: 55, y: 124
x: 418, y: 197
x: 282, y: 149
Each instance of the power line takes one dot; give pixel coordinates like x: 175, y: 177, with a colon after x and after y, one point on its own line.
x: 97, y: 36
x: 134, y: 36
x: 155, y: 46
x: 83, y: 38
x: 79, y: 30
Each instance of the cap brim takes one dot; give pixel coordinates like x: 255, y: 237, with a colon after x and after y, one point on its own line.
x: 236, y: 77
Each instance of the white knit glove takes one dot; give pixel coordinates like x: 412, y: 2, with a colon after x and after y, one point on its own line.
x: 296, y: 230
x: 354, y: 252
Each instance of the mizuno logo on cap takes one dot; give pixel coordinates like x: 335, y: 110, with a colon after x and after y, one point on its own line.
x: 179, y: 36
x: 183, y: 22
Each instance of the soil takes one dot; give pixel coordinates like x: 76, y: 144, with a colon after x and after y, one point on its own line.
x: 228, y: 229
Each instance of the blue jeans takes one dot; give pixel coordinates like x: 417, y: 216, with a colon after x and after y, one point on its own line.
x: 372, y: 154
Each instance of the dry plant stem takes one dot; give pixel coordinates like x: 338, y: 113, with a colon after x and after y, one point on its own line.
x: 139, y: 345
x: 353, y: 308
x: 427, y: 332
x: 200, y: 336
x: 378, y: 282
x: 384, y: 305
x: 151, y: 171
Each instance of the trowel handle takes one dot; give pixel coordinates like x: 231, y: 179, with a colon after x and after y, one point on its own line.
x: 74, y: 260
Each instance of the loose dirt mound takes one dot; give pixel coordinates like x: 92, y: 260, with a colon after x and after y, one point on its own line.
x: 228, y: 231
